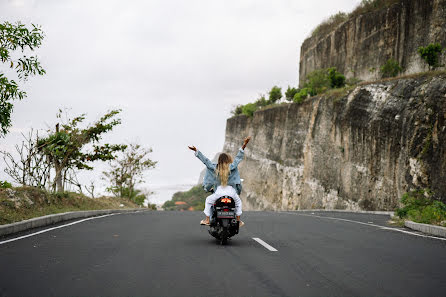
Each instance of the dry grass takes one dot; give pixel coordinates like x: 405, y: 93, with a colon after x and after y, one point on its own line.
x: 17, y: 204
x: 333, y: 21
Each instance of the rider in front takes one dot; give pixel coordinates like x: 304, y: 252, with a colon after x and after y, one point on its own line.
x: 225, y: 179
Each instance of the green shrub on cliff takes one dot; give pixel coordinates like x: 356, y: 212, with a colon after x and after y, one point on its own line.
x: 421, y: 208
x: 238, y: 109
x: 301, y: 95
x: 261, y: 102
x: 337, y: 80
x: 390, y: 69
x: 317, y: 82
x: 249, y: 109
x: 320, y: 81
x: 290, y: 92
x: 275, y: 94
x: 430, y: 54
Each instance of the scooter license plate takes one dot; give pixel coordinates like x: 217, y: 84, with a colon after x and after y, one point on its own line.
x: 225, y: 214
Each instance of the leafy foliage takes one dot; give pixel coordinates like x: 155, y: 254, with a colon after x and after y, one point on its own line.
x: 317, y: 82
x: 194, y: 198
x: 321, y: 80
x: 275, y: 94
x: 337, y: 80
x: 249, y: 109
x: 238, y: 109
x: 5, y: 185
x: 15, y: 37
x: 430, y: 54
x: 390, y: 69
x: 300, y: 96
x: 64, y: 148
x: 128, y: 170
x: 420, y: 207
x: 290, y: 92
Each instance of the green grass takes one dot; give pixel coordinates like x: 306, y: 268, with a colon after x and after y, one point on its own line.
x: 22, y: 203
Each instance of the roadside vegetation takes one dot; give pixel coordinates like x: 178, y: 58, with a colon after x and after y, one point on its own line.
x: 192, y: 199
x: 22, y: 203
x: 46, y: 164
x: 420, y: 206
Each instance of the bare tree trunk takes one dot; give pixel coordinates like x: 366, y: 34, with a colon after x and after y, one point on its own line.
x: 58, y: 178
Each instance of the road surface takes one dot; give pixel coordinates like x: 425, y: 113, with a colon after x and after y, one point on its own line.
x: 170, y: 254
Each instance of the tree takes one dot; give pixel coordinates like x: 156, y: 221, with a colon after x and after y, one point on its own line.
x: 128, y: 170
x: 64, y: 146
x: 275, y: 94
x: 290, y: 92
x: 31, y: 168
x: 430, y: 54
x: 15, y: 37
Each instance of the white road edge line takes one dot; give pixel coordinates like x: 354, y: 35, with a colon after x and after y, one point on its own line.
x: 267, y: 246
x: 373, y: 225
x: 49, y: 229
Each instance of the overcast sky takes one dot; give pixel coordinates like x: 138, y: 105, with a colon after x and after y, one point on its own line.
x: 176, y: 68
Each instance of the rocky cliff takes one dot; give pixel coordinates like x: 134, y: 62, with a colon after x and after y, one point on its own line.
x: 361, y: 45
x: 358, y: 150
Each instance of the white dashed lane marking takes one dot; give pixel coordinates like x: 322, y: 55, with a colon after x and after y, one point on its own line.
x: 267, y: 246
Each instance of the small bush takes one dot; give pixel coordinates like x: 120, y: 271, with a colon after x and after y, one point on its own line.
x: 261, y: 102
x: 238, y: 110
x: 317, y: 82
x: 249, y: 109
x: 421, y: 208
x: 337, y: 80
x: 390, y: 69
x: 290, y: 92
x: 5, y: 185
x: 275, y: 94
x: 301, y: 95
x: 430, y: 54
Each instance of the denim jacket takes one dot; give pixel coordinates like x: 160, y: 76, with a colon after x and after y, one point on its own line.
x: 210, y: 180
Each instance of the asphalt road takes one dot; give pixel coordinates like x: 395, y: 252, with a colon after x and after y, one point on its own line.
x: 170, y: 254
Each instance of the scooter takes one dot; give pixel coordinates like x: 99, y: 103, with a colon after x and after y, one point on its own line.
x: 223, y: 221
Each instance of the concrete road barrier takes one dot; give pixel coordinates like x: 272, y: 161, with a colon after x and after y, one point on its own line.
x: 56, y: 218
x: 425, y: 228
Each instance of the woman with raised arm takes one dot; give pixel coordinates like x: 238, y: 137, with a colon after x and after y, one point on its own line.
x: 224, y: 178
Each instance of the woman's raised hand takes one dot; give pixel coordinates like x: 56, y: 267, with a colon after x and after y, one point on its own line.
x: 192, y: 148
x: 245, y: 142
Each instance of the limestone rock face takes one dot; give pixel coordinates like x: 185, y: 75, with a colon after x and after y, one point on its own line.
x: 360, y: 46
x: 360, y: 150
